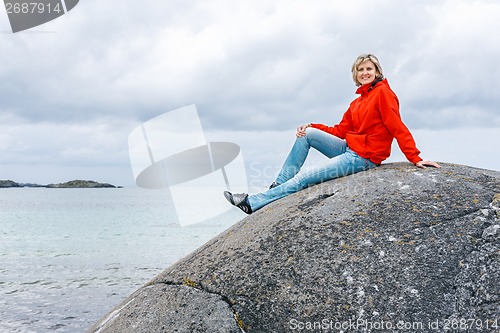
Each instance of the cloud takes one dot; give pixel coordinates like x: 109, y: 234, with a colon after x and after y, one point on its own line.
x: 82, y: 144
x: 250, y: 66
x: 265, y: 59
x: 446, y: 76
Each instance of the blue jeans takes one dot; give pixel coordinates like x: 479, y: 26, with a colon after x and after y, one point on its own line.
x: 342, y: 161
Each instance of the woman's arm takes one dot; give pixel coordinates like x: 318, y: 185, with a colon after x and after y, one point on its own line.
x: 392, y: 120
x: 340, y: 130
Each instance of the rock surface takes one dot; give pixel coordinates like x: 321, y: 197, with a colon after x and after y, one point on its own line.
x: 395, y: 245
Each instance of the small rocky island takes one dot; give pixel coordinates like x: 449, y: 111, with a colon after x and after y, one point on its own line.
x: 8, y: 183
x: 70, y: 184
x: 81, y: 184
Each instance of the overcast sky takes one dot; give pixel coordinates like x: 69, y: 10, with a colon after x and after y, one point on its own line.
x: 72, y: 90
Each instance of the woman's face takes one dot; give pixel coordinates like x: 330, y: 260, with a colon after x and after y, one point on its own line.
x: 366, y: 72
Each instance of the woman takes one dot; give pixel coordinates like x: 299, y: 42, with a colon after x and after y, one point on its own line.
x: 361, y: 141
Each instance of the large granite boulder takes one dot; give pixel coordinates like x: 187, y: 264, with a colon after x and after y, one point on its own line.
x: 392, y: 249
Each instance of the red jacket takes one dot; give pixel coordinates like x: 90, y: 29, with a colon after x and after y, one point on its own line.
x: 372, y: 122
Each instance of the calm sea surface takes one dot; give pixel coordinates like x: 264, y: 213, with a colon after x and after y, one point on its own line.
x: 67, y: 256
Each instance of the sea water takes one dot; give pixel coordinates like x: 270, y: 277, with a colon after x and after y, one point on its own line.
x: 68, y: 256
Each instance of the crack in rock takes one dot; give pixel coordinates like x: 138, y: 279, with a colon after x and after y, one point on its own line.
x: 315, y: 201
x: 199, y: 286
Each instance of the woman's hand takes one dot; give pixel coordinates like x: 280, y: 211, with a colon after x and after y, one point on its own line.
x: 301, y: 130
x: 424, y: 164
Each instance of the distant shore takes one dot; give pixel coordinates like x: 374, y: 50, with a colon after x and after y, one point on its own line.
x: 70, y: 184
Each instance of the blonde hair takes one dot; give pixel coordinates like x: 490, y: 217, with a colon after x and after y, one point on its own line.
x: 362, y: 58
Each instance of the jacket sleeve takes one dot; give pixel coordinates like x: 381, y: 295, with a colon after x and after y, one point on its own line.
x: 340, y: 130
x: 389, y: 111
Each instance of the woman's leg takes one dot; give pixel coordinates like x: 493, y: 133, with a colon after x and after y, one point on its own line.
x: 327, y: 144
x: 338, y: 166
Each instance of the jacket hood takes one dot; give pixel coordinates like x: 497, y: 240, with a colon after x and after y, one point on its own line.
x: 369, y: 87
